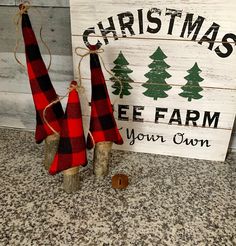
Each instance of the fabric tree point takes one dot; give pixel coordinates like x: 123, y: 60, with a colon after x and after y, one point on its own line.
x: 72, y: 148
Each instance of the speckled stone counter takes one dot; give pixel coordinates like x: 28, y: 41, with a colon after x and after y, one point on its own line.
x: 170, y: 200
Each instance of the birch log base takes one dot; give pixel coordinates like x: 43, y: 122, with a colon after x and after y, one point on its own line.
x: 71, y: 180
x: 101, y: 159
x: 51, y: 146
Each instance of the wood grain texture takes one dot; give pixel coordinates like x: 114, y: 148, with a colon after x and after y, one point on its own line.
x: 14, y: 78
x: 233, y: 141
x: 180, y: 60
x: 213, y: 11
x: 46, y: 3
x: 56, y: 29
x: 101, y: 160
x: 50, y: 149
x: 71, y: 180
x: 219, y: 137
x: 17, y: 111
x: 219, y: 87
x: 21, y: 104
x: 7, y: 3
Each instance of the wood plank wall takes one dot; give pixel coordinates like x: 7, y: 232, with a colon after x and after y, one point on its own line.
x: 16, y: 108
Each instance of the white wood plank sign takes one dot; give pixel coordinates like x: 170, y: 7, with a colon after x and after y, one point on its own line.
x: 176, y: 61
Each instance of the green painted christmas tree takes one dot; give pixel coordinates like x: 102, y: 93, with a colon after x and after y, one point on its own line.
x: 192, y: 88
x: 121, y: 72
x: 156, y: 84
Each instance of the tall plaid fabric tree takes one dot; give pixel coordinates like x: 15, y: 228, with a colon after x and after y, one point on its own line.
x: 40, y: 83
x: 102, y: 122
x: 72, y: 148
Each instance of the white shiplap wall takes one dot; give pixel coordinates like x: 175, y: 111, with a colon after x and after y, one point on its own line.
x: 41, y: 3
x: 16, y: 106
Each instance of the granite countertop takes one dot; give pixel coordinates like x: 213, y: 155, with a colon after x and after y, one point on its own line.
x: 170, y: 200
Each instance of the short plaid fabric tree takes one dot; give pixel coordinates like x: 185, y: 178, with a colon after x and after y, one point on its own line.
x: 192, y: 88
x: 156, y: 84
x: 121, y: 72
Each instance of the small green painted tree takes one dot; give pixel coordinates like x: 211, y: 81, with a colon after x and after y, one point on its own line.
x: 156, y: 84
x: 192, y: 88
x: 121, y: 71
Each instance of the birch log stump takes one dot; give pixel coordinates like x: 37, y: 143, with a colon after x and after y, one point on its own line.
x: 71, y: 180
x: 101, y: 159
x: 50, y: 149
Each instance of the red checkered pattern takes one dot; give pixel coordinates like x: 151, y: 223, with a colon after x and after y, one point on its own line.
x: 41, y: 86
x: 102, y: 122
x: 72, y: 148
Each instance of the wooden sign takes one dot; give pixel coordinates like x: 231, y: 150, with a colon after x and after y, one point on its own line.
x: 176, y: 61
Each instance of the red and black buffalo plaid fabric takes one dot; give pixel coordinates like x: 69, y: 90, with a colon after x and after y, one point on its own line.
x: 41, y: 86
x: 102, y: 122
x: 72, y: 148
